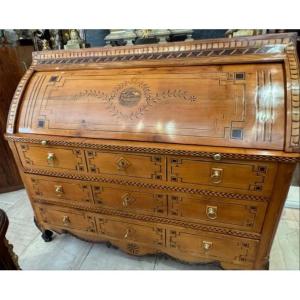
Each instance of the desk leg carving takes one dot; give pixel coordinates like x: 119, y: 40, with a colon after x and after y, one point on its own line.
x: 47, y: 235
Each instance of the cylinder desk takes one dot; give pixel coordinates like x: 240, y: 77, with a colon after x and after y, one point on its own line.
x: 186, y: 149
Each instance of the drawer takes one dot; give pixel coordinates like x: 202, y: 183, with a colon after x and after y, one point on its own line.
x: 143, y: 233
x: 129, y: 199
x: 101, y: 194
x: 62, y: 159
x: 51, y: 188
x: 66, y: 218
x: 240, y: 214
x: 129, y: 165
x: 212, y: 246
x: 240, y: 176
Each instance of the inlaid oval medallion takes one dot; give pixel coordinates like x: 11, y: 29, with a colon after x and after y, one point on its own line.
x: 130, y: 97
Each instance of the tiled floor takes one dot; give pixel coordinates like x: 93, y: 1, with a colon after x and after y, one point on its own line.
x: 68, y: 253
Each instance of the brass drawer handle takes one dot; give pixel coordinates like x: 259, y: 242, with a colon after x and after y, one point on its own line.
x: 44, y: 143
x: 59, y: 190
x: 66, y: 220
x: 51, y: 158
x: 207, y: 245
x: 127, y: 199
x: 216, y: 175
x: 211, y: 212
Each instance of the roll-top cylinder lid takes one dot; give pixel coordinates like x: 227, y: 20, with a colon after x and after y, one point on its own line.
x: 219, y: 104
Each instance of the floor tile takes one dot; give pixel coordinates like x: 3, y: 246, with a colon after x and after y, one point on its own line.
x: 17, y: 205
x: 64, y: 252
x: 285, y: 250
x: 5, y: 206
x: 168, y: 263
x: 296, y: 215
x: 13, y: 197
x: 293, y: 197
x: 103, y: 258
x: 276, y: 259
x: 21, y: 210
x: 21, y: 234
x: 291, y: 214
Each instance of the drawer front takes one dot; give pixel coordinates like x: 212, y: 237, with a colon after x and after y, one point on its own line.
x: 57, y: 189
x: 245, y: 176
x: 62, y: 159
x: 129, y: 165
x: 130, y: 199
x: 143, y: 233
x: 240, y: 214
x: 212, y: 246
x: 105, y: 195
x: 67, y: 218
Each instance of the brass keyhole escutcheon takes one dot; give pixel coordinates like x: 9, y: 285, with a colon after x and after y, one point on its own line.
x: 126, y: 234
x: 66, y: 220
x: 129, y: 233
x: 207, y: 245
x: 127, y: 199
x: 59, y: 190
x: 211, y: 212
x: 122, y: 164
